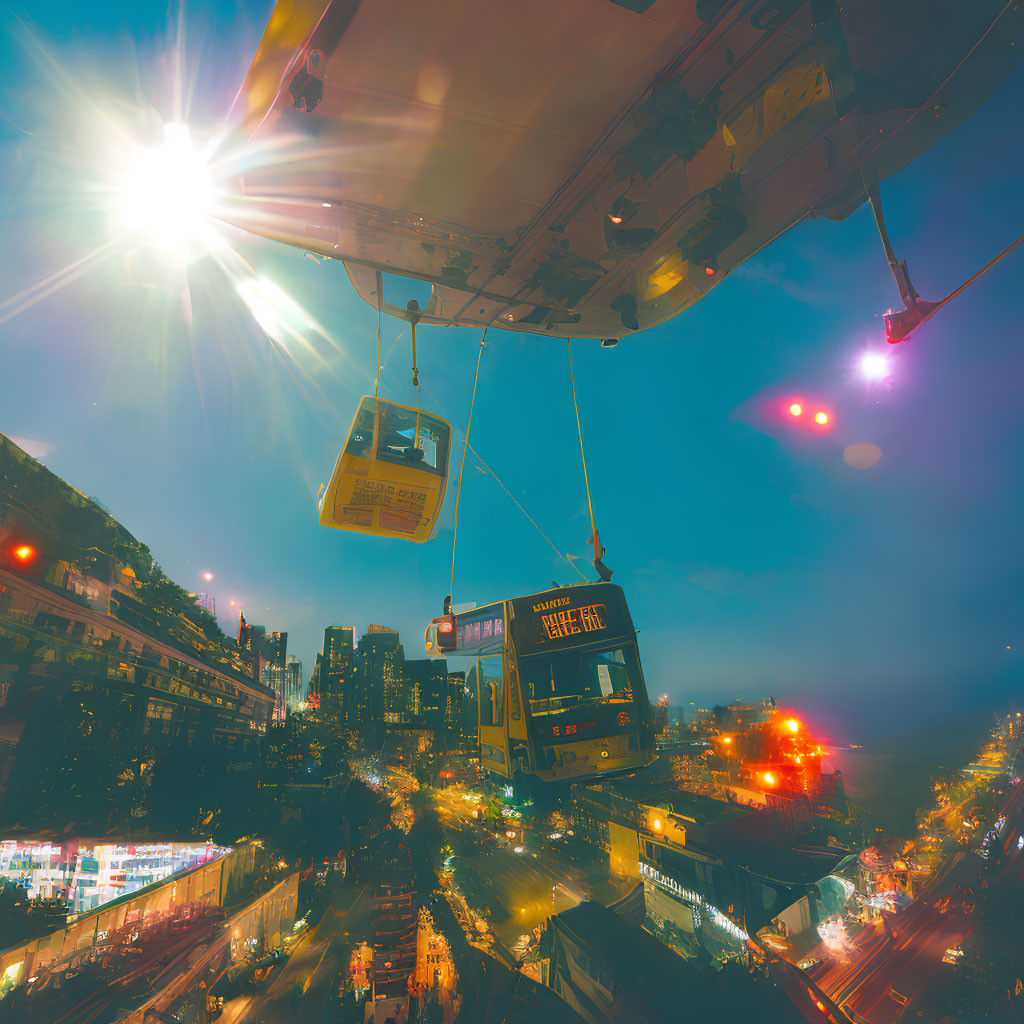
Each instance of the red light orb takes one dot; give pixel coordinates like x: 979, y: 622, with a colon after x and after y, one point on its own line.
x: 24, y: 553
x: 709, y: 270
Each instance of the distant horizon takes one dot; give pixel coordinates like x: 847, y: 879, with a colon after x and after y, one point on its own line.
x: 754, y: 557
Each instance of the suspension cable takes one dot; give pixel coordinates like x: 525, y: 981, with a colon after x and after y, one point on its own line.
x: 536, y: 525
x: 598, y: 550
x: 469, y: 426
x: 376, y: 384
x: 988, y: 266
x: 416, y: 382
x: 501, y: 483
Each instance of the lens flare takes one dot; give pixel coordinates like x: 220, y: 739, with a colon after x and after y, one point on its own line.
x: 166, y: 196
x: 874, y: 366
x: 796, y: 409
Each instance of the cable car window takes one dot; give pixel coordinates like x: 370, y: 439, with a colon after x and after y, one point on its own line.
x: 400, y: 440
x: 570, y: 678
x: 360, y: 441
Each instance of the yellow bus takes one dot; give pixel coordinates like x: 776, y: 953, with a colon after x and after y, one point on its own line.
x: 561, y: 695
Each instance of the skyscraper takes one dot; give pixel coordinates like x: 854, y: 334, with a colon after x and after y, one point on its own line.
x: 270, y: 651
x: 453, y: 701
x: 380, y: 694
x: 337, y: 664
x: 427, y: 684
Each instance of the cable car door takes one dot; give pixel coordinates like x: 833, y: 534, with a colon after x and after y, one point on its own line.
x: 492, y: 704
x: 391, y: 476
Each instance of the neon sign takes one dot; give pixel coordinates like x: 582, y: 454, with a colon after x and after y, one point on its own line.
x: 569, y: 621
x: 696, y: 901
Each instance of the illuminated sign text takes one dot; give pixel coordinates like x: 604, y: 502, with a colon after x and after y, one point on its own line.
x: 570, y: 621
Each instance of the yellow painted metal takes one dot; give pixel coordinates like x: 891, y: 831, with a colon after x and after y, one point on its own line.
x: 391, y: 476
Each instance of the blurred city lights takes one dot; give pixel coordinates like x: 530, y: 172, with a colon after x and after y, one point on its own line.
x: 166, y: 196
x: 793, y: 725
x: 874, y: 366
x: 768, y: 779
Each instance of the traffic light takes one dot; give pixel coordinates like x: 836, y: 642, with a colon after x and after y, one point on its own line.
x: 446, y: 635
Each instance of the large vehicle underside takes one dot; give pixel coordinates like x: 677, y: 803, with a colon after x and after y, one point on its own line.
x: 589, y: 168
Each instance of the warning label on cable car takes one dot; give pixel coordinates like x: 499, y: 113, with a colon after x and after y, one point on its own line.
x: 402, y: 508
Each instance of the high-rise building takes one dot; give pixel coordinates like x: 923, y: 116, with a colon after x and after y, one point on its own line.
x: 470, y: 714
x: 272, y: 652
x: 314, y: 680
x: 338, y: 660
x: 293, y: 681
x: 427, y: 683
x: 380, y: 694
x: 92, y: 630
x: 454, y: 699
x: 659, y: 720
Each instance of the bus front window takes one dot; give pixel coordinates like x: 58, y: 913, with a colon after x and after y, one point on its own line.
x: 568, y: 678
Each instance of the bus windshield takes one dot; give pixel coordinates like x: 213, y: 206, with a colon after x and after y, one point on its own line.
x: 565, y: 679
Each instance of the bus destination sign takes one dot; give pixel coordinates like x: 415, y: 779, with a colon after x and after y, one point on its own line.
x: 563, y: 622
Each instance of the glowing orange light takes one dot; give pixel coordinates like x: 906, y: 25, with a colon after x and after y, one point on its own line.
x: 24, y: 553
x: 769, y: 779
x: 615, y: 218
x: 445, y: 627
x: 821, y: 418
x: 796, y: 409
x: 727, y: 739
x: 793, y: 725
x: 799, y: 760
x: 208, y: 576
x: 709, y: 270
x: 656, y: 824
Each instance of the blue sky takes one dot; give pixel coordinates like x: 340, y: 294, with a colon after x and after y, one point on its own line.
x: 755, y: 560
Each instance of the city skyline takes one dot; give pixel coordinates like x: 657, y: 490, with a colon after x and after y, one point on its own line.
x: 844, y: 588
x: 311, y: 706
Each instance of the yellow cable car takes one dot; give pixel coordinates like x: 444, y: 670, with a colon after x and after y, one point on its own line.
x: 561, y: 695
x: 391, y: 476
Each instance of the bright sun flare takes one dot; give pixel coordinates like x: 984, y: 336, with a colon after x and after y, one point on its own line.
x: 166, y: 197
